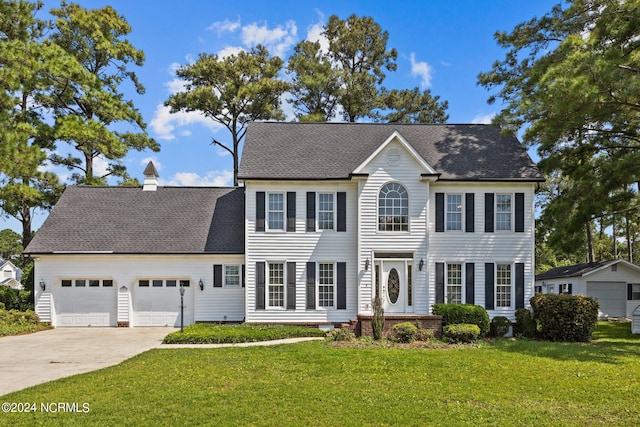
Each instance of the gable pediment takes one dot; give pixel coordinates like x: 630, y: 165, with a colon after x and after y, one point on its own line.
x: 393, y: 148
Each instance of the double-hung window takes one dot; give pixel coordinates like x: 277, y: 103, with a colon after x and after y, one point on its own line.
x: 276, y: 285
x: 454, y: 283
x: 503, y: 285
x: 454, y: 211
x: 635, y: 291
x: 276, y: 211
x: 232, y: 275
x: 325, y: 211
x: 326, y: 285
x: 503, y: 212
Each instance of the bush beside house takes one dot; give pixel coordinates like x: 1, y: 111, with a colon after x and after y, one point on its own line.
x: 453, y: 314
x: 570, y: 318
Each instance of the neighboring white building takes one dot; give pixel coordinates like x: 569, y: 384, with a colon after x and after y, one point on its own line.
x: 330, y: 215
x: 615, y: 284
x: 10, y: 275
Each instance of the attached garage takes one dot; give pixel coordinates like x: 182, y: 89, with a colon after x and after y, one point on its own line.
x: 612, y: 297
x: 156, y: 302
x: 85, y: 302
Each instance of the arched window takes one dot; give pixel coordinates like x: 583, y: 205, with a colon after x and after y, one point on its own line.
x: 393, y: 208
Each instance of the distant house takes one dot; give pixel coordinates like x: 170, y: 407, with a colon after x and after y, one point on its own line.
x: 615, y: 284
x: 10, y: 275
x: 330, y: 216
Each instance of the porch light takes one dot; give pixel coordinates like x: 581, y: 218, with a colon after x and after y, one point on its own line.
x: 366, y: 265
x: 43, y: 286
x: 201, y: 285
x: 421, y: 264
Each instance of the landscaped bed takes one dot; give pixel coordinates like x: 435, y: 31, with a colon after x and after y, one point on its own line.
x: 226, y: 334
x: 501, y: 382
x: 13, y: 322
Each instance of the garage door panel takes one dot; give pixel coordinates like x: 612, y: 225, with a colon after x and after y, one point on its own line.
x: 160, y: 306
x: 612, y: 297
x: 85, y: 306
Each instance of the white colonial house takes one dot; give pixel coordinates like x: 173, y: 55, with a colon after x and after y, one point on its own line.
x: 330, y: 215
x: 10, y: 275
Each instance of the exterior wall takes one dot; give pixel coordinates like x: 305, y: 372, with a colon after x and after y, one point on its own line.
x: 208, y: 304
x: 482, y: 247
x: 301, y: 247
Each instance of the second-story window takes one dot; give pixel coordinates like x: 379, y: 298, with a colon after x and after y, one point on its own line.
x: 393, y: 208
x: 454, y: 211
x: 276, y: 211
x: 503, y: 211
x: 325, y: 211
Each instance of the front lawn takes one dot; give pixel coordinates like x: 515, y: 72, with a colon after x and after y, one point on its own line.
x: 507, y: 382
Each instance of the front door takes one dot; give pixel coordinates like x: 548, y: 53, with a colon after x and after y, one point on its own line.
x: 394, y: 286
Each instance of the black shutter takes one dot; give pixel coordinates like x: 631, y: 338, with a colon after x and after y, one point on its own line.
x: 260, y: 211
x: 341, y: 281
x: 291, y: 211
x: 439, y: 212
x: 439, y: 282
x: 469, y: 214
x: 243, y: 275
x: 342, y: 211
x: 217, y: 276
x: 519, y: 213
x: 488, y: 285
x: 291, y: 285
x: 311, y: 211
x: 488, y: 212
x: 470, y: 283
x: 260, y: 285
x: 519, y: 285
x: 629, y: 291
x: 311, y: 285
x: 569, y: 288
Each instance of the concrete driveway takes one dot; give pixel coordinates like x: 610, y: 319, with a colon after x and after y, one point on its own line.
x: 28, y: 360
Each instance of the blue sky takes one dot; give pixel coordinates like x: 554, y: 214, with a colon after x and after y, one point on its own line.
x: 442, y: 46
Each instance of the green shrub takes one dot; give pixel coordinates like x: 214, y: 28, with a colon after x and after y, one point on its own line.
x: 342, y: 334
x: 202, y: 333
x: 424, y: 334
x: 403, y: 332
x: 570, y: 318
x: 461, y: 332
x: 14, y: 299
x: 525, y: 325
x: 14, y: 322
x: 499, y: 326
x: 453, y: 314
x: 2, y: 307
x: 377, y: 323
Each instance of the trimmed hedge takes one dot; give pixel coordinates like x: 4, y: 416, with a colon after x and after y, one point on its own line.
x: 461, y: 333
x: 403, y: 332
x: 570, y: 318
x: 463, y: 313
x: 203, y: 333
x: 525, y: 325
x: 499, y: 326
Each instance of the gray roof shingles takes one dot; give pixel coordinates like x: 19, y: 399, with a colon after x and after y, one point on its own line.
x: 572, y: 270
x: 128, y: 220
x: 276, y: 150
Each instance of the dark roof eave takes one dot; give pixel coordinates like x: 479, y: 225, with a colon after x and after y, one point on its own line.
x: 336, y: 178
x: 492, y: 179
x: 132, y: 253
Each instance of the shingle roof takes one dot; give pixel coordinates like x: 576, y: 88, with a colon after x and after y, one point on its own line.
x: 129, y: 220
x: 572, y: 270
x: 277, y: 150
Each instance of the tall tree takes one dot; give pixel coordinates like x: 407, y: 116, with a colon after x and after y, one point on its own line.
x: 348, y: 78
x: 232, y: 91
x: 571, y: 79
x: 90, y: 111
x: 10, y: 244
x: 25, y: 63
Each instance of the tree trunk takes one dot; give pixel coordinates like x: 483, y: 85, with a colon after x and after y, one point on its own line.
x: 89, y: 169
x: 26, y: 226
x: 615, y: 239
x: 590, y: 255
x: 629, y: 242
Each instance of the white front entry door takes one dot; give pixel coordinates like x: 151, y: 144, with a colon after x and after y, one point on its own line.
x: 394, y: 286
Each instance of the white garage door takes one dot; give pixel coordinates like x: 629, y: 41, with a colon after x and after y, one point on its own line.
x: 612, y: 297
x: 156, y: 302
x: 85, y: 302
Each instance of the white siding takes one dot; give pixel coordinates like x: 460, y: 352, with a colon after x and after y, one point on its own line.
x: 301, y: 247
x: 126, y: 270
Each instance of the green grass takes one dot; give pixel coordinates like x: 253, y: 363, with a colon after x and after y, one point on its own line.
x: 220, y: 334
x: 506, y: 382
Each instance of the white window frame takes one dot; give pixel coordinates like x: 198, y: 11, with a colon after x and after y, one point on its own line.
x: 332, y: 211
x: 508, y: 214
x: 319, y: 283
x: 497, y: 300
x: 378, y: 216
x: 269, y: 211
x: 635, y: 291
x: 448, y: 212
x: 448, y: 284
x: 282, y: 285
x: 226, y: 275
x: 563, y: 288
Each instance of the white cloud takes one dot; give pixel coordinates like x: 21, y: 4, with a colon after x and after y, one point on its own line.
x: 278, y: 40
x: 483, y: 119
x: 153, y: 159
x: 164, y: 123
x: 314, y: 34
x: 421, y: 69
x: 190, y: 179
x: 228, y: 51
x: 174, y: 86
x: 225, y: 26
x: 100, y: 166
